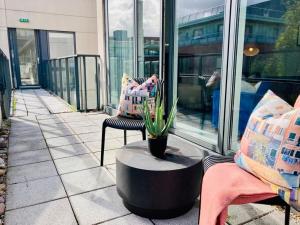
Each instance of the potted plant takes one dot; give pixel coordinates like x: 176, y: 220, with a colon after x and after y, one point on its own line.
x: 157, y: 127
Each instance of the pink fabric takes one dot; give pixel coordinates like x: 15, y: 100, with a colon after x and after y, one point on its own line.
x: 225, y: 184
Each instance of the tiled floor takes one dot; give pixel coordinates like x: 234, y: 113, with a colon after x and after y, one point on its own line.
x: 54, y: 177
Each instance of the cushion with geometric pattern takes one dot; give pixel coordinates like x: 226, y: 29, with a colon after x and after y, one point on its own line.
x: 270, y: 146
x: 133, y: 95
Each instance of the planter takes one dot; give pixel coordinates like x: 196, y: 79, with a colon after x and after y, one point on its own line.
x: 157, y: 146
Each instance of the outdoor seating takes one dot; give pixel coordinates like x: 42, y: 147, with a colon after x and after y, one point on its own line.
x: 266, y: 198
x: 123, y: 123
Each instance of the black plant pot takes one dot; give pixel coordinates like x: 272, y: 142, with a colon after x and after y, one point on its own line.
x: 157, y: 146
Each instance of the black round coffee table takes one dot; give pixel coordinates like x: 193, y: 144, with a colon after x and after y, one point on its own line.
x: 159, y: 188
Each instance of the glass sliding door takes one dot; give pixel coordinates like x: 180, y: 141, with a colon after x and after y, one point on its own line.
x: 268, y: 53
x: 148, y: 36
x: 120, y: 41
x: 199, y: 35
x: 27, y: 54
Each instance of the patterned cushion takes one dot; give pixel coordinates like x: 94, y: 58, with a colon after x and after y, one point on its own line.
x: 133, y: 95
x: 270, y: 146
x: 297, y: 103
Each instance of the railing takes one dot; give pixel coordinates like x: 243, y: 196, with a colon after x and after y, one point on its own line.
x: 76, y: 79
x: 251, y: 11
x: 5, y: 85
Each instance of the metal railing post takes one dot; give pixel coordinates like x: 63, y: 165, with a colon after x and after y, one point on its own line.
x: 97, y: 77
x: 85, y: 86
x: 77, y: 83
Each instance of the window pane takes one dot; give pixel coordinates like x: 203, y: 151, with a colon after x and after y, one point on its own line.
x: 267, y: 57
x: 148, y: 37
x: 120, y: 44
x: 61, y: 44
x: 200, y: 39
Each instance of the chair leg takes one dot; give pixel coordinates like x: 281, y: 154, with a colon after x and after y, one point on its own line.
x: 102, y: 145
x: 144, y: 134
x: 125, y: 137
x: 287, y: 215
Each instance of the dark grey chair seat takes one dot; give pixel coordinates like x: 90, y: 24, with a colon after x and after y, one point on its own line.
x: 119, y: 122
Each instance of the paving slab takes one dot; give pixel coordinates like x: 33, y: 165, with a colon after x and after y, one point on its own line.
x: 95, y: 146
x: 76, y: 163
x: 57, y: 133
x: 61, y: 141
x: 242, y: 213
x: 25, y: 138
x: 87, y: 180
x: 275, y: 218
x: 111, y: 169
x: 109, y: 156
x: 56, y: 212
x: 29, y: 172
x: 23, y: 158
x: 129, y: 220
x: 34, y: 192
x: 68, y: 150
x: 98, y: 206
x: 189, y: 218
x: 85, y: 130
x: 18, y: 145
x: 55, y: 126
x: 90, y: 137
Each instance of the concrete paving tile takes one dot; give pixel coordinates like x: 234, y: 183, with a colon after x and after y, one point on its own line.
x: 56, y: 212
x: 76, y: 163
x: 26, y: 133
x: 95, y: 146
x: 275, y: 218
x: 68, y: 150
x: 109, y: 156
x: 98, y: 206
x: 46, y: 117
x: 34, y: 192
x: 25, y: 138
x: 85, y: 130
x: 57, y: 133
x: 61, y: 141
x: 55, y: 126
x: 189, y: 218
x: 111, y: 169
x: 29, y: 172
x: 129, y: 220
x: 90, y: 137
x: 23, y: 158
x: 241, y: 213
x: 22, y: 146
x: 81, y: 123
x: 87, y: 180
x: 51, y: 121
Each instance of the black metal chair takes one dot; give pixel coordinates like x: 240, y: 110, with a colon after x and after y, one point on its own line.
x: 214, y: 159
x: 123, y: 123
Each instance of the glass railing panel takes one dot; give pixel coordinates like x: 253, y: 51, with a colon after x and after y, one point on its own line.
x: 72, y: 81
x: 58, y: 78
x: 91, y: 82
x: 64, y: 79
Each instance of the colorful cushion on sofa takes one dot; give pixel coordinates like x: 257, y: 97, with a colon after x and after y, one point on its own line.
x: 270, y: 146
x: 133, y: 95
x: 297, y: 103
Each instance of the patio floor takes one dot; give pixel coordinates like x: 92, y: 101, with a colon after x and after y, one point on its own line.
x: 54, y: 177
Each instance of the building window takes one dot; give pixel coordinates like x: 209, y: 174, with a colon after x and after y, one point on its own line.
x: 61, y: 44
x: 198, y: 33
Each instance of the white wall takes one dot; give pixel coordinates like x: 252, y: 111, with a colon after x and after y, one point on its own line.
x: 79, y: 16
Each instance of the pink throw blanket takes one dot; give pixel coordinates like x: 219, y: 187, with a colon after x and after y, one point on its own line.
x: 225, y: 184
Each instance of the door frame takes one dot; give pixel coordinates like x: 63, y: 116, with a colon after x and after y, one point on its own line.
x: 14, y: 57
